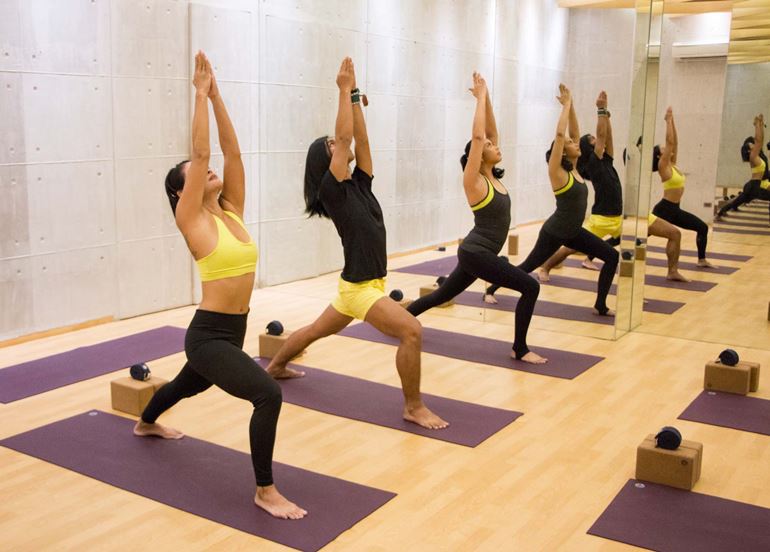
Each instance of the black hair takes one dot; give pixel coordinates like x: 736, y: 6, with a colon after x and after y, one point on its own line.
x: 565, y: 163
x: 316, y: 164
x: 496, y: 171
x: 746, y: 148
x: 586, y: 149
x: 175, y: 183
x: 655, y: 158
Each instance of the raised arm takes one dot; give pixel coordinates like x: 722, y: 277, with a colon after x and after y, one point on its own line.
x: 363, y: 153
x: 556, y: 172
x: 473, y: 163
x: 491, y: 126
x: 602, y: 126
x: 574, y: 128
x: 190, y: 203
x: 343, y: 129
x: 234, y: 178
x: 675, y: 139
x: 759, y: 139
x: 665, y: 161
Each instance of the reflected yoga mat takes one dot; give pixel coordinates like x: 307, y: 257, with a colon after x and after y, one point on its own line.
x: 730, y: 410
x: 445, y: 265
x: 760, y: 224
x: 483, y: 350
x: 44, y: 374
x: 576, y: 263
x: 204, y: 479
x: 666, y: 519
x: 692, y: 252
x: 358, y: 399
x: 731, y: 230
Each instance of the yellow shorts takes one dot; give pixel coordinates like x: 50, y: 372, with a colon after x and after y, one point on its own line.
x: 651, y: 219
x: 600, y: 226
x: 355, y: 299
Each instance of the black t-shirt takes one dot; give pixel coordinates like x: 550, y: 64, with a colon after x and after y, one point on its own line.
x: 608, y: 194
x: 357, y: 215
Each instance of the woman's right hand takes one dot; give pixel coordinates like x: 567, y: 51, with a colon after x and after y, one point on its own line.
x: 669, y: 115
x: 202, y: 74
x: 479, y: 89
x: 565, y: 96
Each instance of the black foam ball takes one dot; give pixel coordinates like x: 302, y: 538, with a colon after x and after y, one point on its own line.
x: 274, y: 328
x: 668, y: 438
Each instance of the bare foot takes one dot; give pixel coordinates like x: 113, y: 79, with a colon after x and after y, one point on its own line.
x: 285, y: 373
x: 530, y: 357
x: 275, y: 504
x: 489, y: 298
x: 589, y: 264
x: 703, y: 263
x: 718, y: 218
x: 143, y: 429
x: 677, y: 277
x: 609, y: 312
x: 543, y: 275
x: 424, y: 417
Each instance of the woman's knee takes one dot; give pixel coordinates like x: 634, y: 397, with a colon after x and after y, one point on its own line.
x: 268, y: 395
x: 411, y: 332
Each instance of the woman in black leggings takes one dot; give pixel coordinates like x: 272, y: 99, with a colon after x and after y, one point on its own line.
x: 209, y: 213
x: 564, y: 227
x: 668, y: 208
x: 491, y: 206
x: 759, y: 185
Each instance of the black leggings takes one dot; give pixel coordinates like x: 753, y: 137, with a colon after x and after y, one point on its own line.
x: 213, y: 345
x: 487, y: 266
x: 751, y: 190
x: 673, y: 213
x: 547, y: 244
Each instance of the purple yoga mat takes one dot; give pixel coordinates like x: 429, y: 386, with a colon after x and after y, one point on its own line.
x: 577, y: 263
x: 760, y: 224
x: 445, y: 265
x: 650, y: 305
x: 693, y: 252
x: 730, y: 230
x: 204, y: 479
x: 41, y: 375
x: 730, y: 410
x: 745, y: 216
x: 483, y: 350
x: 666, y: 519
x: 375, y: 403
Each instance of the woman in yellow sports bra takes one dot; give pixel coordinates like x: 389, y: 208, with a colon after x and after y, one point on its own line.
x: 668, y: 208
x: 209, y: 213
x: 758, y: 187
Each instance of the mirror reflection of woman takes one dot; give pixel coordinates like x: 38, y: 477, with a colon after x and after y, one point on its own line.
x: 758, y: 186
x: 668, y: 208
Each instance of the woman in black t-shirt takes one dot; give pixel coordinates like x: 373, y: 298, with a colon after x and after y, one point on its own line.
x: 332, y: 191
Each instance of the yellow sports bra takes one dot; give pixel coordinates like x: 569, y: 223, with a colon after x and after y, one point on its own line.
x: 675, y: 182
x: 231, y: 257
x: 759, y: 169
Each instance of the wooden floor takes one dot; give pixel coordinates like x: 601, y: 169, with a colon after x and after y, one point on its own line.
x: 537, y: 485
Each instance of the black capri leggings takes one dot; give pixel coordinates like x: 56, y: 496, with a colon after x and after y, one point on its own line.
x: 214, y: 348
x: 673, y: 213
x: 751, y: 190
x: 547, y: 244
x: 487, y: 266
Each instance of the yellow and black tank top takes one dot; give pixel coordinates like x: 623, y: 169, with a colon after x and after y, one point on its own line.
x: 758, y: 172
x: 571, y: 203
x: 491, y: 222
x: 675, y: 182
x: 231, y: 257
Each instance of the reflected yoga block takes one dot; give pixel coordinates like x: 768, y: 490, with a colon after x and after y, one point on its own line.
x: 729, y: 379
x: 641, y: 252
x: 678, y: 468
x: 626, y: 268
x: 513, y: 244
x: 131, y: 396
x: 269, y: 345
x: 427, y: 290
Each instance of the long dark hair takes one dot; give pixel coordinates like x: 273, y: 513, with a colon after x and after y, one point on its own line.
x: 496, y: 171
x: 175, y: 183
x: 316, y: 165
x: 746, y: 148
x: 566, y: 164
x: 586, y: 149
x: 655, y: 158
